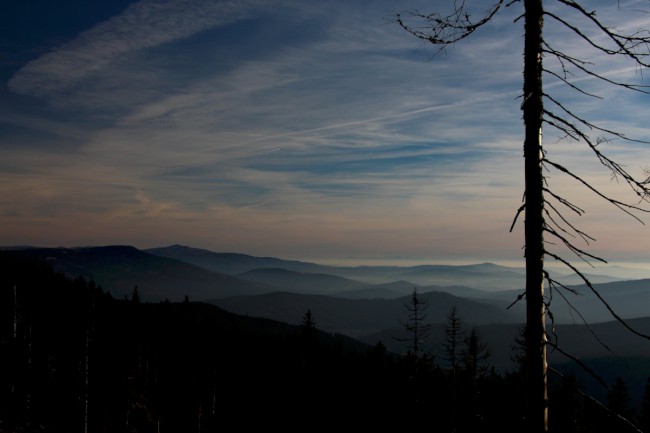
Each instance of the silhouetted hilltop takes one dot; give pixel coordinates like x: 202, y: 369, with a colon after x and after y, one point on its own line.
x: 119, y: 269
x: 482, y: 276
x: 358, y: 317
x: 231, y: 263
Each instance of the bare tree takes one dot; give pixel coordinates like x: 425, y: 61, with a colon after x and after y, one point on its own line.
x: 418, y: 331
x: 454, y: 338
x: 415, y: 325
x: 545, y: 210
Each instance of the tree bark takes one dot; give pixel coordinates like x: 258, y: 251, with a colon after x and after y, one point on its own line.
x: 537, y: 409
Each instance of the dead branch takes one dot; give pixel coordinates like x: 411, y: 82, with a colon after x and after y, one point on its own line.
x: 598, y: 295
x: 447, y: 30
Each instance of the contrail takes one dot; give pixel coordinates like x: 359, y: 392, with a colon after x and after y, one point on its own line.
x: 390, y: 117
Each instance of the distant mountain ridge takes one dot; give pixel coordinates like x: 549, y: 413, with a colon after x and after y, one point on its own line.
x: 359, y: 309
x: 158, y: 276
x: 483, y: 276
x: 302, y: 282
x: 119, y: 269
x: 629, y: 299
x: 358, y: 317
x: 491, y: 276
x: 231, y: 263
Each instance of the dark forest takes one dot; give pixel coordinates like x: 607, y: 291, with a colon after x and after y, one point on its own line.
x: 75, y: 359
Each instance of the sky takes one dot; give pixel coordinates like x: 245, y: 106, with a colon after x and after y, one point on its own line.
x: 296, y: 129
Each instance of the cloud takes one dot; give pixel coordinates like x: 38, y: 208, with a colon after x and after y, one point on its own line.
x: 352, y: 139
x: 144, y: 24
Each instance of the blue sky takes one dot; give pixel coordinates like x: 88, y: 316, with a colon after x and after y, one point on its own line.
x: 298, y: 129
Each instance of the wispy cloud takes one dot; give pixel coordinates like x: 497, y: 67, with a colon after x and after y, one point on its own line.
x: 337, y: 134
x: 144, y: 24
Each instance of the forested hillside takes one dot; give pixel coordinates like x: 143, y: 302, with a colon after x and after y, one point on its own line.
x: 77, y: 360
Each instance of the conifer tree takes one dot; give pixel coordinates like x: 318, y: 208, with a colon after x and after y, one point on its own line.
x: 452, y: 346
x: 308, y: 323
x: 308, y: 339
x: 475, y: 355
x: 475, y: 366
x: 418, y: 360
x: 618, y: 402
x: 418, y: 330
x: 135, y: 295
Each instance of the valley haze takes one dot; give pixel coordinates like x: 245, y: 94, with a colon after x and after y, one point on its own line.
x: 241, y: 280
x: 367, y: 303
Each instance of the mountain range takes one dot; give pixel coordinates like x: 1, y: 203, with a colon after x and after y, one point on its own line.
x: 359, y: 317
x: 369, y: 303
x: 484, y: 276
x: 119, y: 269
x: 177, y: 271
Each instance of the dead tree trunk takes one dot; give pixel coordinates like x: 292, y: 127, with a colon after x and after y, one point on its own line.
x: 445, y: 30
x: 537, y: 412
